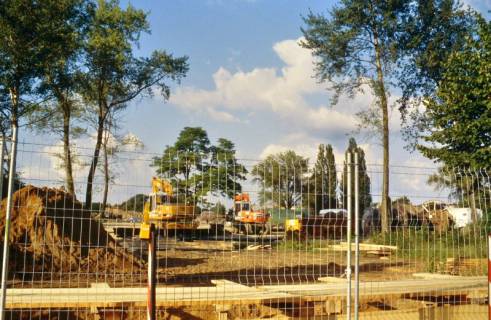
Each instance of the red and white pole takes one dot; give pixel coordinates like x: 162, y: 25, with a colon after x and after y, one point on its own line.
x: 152, y: 264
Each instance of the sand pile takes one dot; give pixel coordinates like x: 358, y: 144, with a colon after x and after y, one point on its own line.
x: 51, y: 233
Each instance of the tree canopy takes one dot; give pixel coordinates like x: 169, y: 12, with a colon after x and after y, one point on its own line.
x: 323, y: 180
x: 113, y: 75
x: 460, y: 113
x: 198, y: 169
x: 364, y: 184
x: 283, y: 179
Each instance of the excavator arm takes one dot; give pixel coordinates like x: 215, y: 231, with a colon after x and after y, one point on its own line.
x: 162, y: 186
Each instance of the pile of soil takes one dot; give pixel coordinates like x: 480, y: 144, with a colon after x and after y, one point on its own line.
x: 51, y: 233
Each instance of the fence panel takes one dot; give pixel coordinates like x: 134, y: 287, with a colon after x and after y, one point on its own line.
x: 242, y: 238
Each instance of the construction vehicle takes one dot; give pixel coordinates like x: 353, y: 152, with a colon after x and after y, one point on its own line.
x: 328, y: 223
x: 163, y: 211
x: 246, y: 219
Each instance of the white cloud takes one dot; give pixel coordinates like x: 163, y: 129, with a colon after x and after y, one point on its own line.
x: 283, y: 92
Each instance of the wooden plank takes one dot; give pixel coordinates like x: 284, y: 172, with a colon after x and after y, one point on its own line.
x: 332, y: 279
x: 103, y: 297
x: 370, y: 246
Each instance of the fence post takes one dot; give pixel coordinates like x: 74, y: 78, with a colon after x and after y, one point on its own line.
x: 152, y: 267
x: 348, y: 240
x: 8, y: 213
x: 357, y: 237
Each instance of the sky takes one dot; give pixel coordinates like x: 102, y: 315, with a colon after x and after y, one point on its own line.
x: 250, y: 82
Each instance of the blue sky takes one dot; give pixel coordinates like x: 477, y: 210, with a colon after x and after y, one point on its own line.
x: 250, y: 82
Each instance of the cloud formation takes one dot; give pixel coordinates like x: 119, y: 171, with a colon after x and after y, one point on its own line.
x: 285, y: 92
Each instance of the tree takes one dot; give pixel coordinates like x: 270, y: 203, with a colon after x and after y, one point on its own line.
x: 59, y: 83
x: 113, y: 144
x: 283, y: 179
x: 460, y: 113
x: 225, y: 173
x: 134, y: 203
x: 364, y: 184
x: 32, y: 31
x: 434, y: 30
x: 356, y: 46
x: 323, y: 181
x: 198, y: 169
x: 185, y: 162
x: 113, y: 76
x: 460, y: 118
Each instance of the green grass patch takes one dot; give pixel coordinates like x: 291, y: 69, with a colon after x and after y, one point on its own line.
x: 432, y: 248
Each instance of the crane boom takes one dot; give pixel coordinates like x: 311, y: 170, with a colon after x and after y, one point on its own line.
x: 162, y: 186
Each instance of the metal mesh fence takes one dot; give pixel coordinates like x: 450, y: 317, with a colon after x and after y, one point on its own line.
x: 244, y: 238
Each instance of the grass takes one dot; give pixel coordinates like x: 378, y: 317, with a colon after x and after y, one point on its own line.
x: 432, y: 249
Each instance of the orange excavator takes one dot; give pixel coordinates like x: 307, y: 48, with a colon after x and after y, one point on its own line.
x: 247, y: 220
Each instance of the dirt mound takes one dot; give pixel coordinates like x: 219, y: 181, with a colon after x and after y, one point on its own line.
x: 51, y: 233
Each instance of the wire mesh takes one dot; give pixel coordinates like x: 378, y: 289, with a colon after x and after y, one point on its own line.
x: 243, y: 238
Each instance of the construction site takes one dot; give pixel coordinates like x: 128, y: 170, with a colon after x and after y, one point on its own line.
x: 248, y: 260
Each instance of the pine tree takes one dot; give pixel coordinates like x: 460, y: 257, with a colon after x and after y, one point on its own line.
x: 365, y: 198
x: 323, y: 180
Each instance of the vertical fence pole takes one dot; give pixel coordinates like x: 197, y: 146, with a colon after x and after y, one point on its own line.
x: 348, y: 240
x: 357, y: 236
x: 2, y: 156
x: 8, y: 213
x: 152, y: 263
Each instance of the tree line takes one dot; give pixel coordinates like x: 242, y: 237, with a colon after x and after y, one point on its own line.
x: 198, y: 170
x: 70, y: 64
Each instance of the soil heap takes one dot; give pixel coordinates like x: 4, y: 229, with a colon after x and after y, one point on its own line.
x: 51, y: 234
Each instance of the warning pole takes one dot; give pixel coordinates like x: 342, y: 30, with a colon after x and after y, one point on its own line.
x: 152, y: 264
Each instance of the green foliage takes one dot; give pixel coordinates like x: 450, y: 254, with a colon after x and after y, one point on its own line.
x: 282, y: 179
x: 112, y: 76
x: 460, y: 114
x: 346, y: 42
x: 433, y: 31
x: 356, y: 47
x: 197, y: 169
x: 432, y: 249
x: 32, y: 33
x: 134, y: 203
x: 323, y: 181
x: 364, y: 184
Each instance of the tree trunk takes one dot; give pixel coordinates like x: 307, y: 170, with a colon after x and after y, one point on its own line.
x: 67, y: 155
x: 95, y: 160
x: 106, y: 174
x: 380, y: 92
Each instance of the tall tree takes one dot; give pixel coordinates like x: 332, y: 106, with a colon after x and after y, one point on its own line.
x: 460, y: 113
x: 460, y: 118
x: 323, y: 181
x: 113, y: 76
x: 198, y: 169
x: 434, y: 30
x: 31, y: 32
x: 59, y: 83
x: 364, y: 184
x: 225, y: 172
x: 283, y: 179
x: 357, y: 45
x: 184, y: 163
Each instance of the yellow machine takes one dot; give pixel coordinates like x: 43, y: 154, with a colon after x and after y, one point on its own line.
x: 163, y: 210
